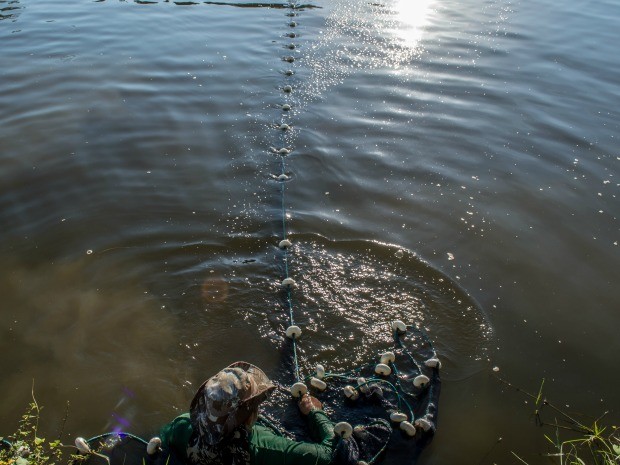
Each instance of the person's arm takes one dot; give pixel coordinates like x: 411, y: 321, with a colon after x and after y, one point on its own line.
x: 270, y: 449
x: 321, y: 427
x: 176, y: 434
x: 267, y: 448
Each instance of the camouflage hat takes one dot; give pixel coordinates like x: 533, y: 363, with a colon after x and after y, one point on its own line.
x: 226, y: 400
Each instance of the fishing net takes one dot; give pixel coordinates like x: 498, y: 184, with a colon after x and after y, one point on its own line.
x: 361, y: 396
x: 389, y: 403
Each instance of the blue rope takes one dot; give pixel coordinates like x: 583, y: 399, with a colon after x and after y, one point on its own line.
x: 119, y: 434
x: 285, y: 257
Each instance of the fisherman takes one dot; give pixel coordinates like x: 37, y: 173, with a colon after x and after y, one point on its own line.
x: 221, y: 429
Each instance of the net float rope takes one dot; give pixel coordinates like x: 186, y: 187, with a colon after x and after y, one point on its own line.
x: 293, y: 332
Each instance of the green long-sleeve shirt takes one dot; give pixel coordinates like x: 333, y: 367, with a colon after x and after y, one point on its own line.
x: 267, y: 448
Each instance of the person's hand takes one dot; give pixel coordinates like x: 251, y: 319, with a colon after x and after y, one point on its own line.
x: 308, y: 403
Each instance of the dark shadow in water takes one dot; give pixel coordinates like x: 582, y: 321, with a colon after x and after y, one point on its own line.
x: 9, y: 9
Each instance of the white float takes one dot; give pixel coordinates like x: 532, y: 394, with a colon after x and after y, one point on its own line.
x: 407, y: 428
x: 286, y: 106
x: 343, y: 429
x: 350, y: 392
x: 288, y: 282
x: 285, y: 244
x: 283, y: 177
x: 361, y: 382
x: 284, y: 127
x: 421, y: 381
x: 320, y: 371
x: 382, y: 369
x: 424, y: 424
x: 387, y: 357
x: 318, y: 383
x: 82, y: 446
x: 433, y: 363
x: 399, y: 327
x: 298, y: 389
x: 287, y: 89
x: 293, y: 332
x: 398, y: 417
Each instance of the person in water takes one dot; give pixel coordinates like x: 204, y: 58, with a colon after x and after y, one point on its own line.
x: 221, y: 429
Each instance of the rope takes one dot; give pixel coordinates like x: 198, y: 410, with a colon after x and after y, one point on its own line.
x: 285, y: 257
x: 119, y: 434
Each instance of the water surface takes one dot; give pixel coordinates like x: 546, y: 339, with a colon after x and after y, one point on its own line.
x: 455, y: 165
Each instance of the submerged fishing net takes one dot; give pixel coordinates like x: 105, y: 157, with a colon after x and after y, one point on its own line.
x: 360, y: 396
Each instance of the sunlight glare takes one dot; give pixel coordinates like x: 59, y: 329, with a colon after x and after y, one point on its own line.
x: 414, y: 16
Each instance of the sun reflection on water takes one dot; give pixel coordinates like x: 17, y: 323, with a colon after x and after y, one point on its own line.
x: 414, y: 16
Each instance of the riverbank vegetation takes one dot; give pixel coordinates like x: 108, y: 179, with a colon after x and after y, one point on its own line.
x: 27, y: 447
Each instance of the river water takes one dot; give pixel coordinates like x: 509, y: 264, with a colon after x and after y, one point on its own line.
x: 453, y: 164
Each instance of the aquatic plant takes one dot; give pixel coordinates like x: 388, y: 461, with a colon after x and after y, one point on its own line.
x: 26, y: 447
x: 575, y: 442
